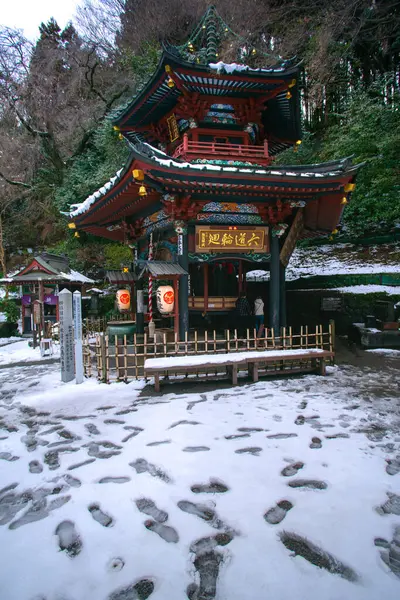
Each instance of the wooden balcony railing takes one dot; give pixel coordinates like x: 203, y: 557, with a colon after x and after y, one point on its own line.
x: 190, y: 150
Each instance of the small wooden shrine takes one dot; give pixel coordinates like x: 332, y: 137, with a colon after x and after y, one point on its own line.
x: 200, y: 187
x: 40, y: 281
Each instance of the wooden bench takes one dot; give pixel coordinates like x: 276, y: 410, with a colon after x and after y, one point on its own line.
x: 302, y: 360
x: 313, y: 362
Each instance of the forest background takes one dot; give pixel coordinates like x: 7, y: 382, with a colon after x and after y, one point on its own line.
x: 57, y: 144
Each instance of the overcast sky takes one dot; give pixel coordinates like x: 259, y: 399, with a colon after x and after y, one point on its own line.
x: 28, y: 14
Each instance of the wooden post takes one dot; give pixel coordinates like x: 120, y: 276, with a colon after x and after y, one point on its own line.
x: 176, y: 312
x: 205, y: 272
x: 240, y: 277
x: 282, y: 295
x: 274, y: 285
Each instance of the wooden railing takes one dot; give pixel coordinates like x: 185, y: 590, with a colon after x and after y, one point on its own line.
x: 213, y: 303
x: 191, y: 149
x: 121, y: 358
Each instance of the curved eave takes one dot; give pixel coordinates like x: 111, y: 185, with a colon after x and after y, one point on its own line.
x: 312, y: 177
x: 121, y: 200
x: 157, y: 91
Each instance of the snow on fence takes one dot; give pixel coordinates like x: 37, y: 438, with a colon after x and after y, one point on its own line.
x: 122, y: 358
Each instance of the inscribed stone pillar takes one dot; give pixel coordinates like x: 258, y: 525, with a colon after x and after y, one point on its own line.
x: 66, y: 336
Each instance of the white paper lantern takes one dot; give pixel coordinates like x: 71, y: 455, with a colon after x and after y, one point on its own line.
x: 123, y: 300
x: 165, y: 299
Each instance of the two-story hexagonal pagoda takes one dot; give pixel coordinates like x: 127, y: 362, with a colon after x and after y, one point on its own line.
x: 200, y: 189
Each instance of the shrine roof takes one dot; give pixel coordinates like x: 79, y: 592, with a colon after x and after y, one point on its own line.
x: 220, y: 81
x: 48, y: 267
x: 104, y: 210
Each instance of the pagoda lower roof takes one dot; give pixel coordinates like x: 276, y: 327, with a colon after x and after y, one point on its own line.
x: 103, y: 212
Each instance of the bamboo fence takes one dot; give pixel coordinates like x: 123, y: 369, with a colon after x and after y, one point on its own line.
x: 122, y: 358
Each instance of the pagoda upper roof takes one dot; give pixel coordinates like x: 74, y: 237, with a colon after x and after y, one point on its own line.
x: 222, y: 82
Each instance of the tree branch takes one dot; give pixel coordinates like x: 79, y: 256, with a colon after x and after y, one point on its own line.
x: 11, y: 182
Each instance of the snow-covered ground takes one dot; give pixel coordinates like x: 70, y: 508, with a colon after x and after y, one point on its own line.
x: 338, y: 259
x: 232, y: 493
x: 17, y: 350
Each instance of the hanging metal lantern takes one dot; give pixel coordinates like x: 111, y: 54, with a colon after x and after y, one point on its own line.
x: 123, y: 300
x: 165, y: 299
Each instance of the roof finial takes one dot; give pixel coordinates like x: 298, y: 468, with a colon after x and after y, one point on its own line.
x: 211, y: 34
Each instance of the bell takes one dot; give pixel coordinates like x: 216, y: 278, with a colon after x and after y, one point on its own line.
x: 344, y: 200
x: 288, y: 95
x: 142, y: 191
x: 170, y: 83
x: 76, y: 234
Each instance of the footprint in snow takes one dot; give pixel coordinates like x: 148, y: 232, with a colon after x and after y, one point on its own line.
x: 184, y: 422
x: 35, y: 467
x: 140, y: 590
x: 167, y: 533
x: 68, y: 539
x: 214, y: 487
x: 254, y: 450
x: 100, y: 516
x: 196, y: 449
x: 316, y: 443
x: 114, y: 480
x: 148, y: 507
x: 276, y: 514
x: 292, y: 469
x: 311, y: 484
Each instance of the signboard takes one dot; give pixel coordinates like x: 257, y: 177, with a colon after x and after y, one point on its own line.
x: 37, y: 312
x: 66, y: 336
x: 180, y: 244
x: 333, y: 304
x: 172, y: 128
x: 231, y: 239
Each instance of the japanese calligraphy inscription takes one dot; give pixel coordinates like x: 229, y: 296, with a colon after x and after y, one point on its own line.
x: 230, y: 238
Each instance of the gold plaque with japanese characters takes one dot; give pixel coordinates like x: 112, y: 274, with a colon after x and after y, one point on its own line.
x: 231, y: 238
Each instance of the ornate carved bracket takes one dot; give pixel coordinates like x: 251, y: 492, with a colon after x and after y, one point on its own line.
x: 182, y: 208
x: 275, y: 213
x: 132, y: 231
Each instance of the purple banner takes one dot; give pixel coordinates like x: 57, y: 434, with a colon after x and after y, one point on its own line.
x: 51, y: 299
x: 26, y: 300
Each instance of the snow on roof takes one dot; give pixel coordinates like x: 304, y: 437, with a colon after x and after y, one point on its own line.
x: 220, y: 67
x: 83, y: 206
x: 75, y: 276
x: 158, y: 156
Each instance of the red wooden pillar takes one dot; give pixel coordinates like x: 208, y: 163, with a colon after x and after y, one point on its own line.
x: 176, y: 312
